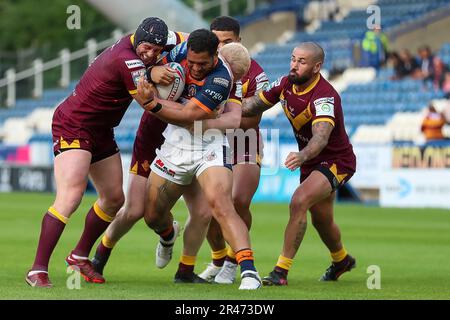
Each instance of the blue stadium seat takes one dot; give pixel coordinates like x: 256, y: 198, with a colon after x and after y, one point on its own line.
x: 371, y: 103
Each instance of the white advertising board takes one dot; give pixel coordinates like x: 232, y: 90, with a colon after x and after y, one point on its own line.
x: 415, y: 188
x: 371, y: 162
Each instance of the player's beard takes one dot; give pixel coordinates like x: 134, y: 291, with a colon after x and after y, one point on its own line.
x: 294, y: 78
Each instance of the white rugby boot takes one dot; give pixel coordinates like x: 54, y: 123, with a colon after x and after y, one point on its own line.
x: 164, y: 248
x: 227, y: 274
x: 250, y: 280
x: 210, y: 272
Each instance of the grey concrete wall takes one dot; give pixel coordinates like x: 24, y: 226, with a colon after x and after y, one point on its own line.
x: 268, y: 30
x: 128, y: 14
x: 433, y: 34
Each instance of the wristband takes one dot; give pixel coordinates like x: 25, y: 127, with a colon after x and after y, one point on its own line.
x: 147, y: 102
x: 148, y: 74
x: 156, y: 108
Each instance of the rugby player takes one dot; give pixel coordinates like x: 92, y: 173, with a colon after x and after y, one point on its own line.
x: 84, y: 146
x: 247, y: 155
x: 149, y: 137
x: 184, y: 155
x: 325, y: 157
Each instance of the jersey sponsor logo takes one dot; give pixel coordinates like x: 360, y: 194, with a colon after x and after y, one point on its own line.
x: 136, y: 75
x: 136, y: 63
x: 324, y: 106
x: 262, y: 77
x: 221, y: 82
x: 214, y: 95
x: 324, y: 100
x: 262, y: 86
x: 276, y: 83
x: 325, y: 109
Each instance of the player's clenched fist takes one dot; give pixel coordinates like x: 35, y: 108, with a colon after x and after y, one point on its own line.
x: 146, y: 90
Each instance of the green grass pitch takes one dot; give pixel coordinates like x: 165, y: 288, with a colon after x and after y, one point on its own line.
x: 411, y: 247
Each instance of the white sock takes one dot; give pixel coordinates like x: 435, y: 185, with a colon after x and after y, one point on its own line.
x: 78, y: 257
x: 33, y: 272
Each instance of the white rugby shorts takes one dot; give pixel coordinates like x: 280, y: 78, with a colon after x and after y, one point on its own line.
x: 181, y: 165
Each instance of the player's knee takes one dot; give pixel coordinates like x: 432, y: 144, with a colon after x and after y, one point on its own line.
x: 298, y: 207
x: 241, y: 202
x: 67, y: 203
x: 320, y: 222
x: 133, y: 216
x: 115, y: 200
x: 152, y: 218
x: 202, y: 216
x: 219, y: 209
x: 247, y: 217
x: 132, y: 213
x: 69, y: 207
x: 242, y: 206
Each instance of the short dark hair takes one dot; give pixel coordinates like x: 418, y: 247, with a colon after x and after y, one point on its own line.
x: 226, y: 23
x: 202, y: 40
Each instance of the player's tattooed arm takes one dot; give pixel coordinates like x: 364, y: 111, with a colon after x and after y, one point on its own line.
x: 321, y: 133
x: 253, y: 106
x: 251, y: 122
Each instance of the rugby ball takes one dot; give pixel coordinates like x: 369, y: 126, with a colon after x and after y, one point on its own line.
x: 173, y: 91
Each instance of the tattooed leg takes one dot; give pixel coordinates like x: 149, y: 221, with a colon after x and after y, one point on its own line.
x: 313, y: 190
x: 293, y: 236
x: 161, y: 196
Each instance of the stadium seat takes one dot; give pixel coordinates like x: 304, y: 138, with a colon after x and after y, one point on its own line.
x: 369, y: 97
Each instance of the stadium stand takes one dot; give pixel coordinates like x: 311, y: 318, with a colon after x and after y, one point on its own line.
x: 264, y: 11
x: 368, y: 99
x: 372, y: 103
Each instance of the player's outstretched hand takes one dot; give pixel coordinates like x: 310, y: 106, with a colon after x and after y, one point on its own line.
x: 162, y: 75
x: 294, y: 160
x: 146, y: 90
